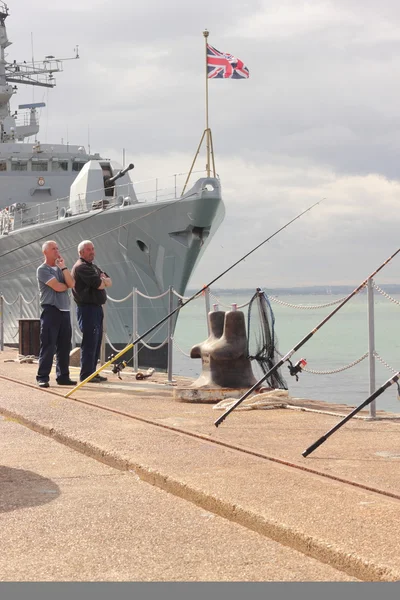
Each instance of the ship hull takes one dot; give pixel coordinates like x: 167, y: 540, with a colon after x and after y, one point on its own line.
x: 146, y: 247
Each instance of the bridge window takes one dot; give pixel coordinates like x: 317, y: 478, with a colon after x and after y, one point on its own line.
x: 40, y: 165
x: 19, y: 165
x: 60, y: 165
x: 77, y: 166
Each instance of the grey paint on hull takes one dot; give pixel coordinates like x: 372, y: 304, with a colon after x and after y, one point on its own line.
x: 147, y: 246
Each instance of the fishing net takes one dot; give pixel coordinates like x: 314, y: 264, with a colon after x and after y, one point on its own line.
x: 262, y: 342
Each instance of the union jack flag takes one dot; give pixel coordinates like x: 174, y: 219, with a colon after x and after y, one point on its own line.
x: 221, y: 65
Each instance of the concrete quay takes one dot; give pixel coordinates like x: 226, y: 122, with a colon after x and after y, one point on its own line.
x: 331, y: 517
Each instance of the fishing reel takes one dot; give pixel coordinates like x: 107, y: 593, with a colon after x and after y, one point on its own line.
x: 294, y: 370
x: 118, y: 367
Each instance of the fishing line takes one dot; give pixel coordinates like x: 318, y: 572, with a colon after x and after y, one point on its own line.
x: 303, y: 341
x: 180, y: 306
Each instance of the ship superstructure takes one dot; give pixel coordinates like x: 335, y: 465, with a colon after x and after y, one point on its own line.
x: 57, y: 191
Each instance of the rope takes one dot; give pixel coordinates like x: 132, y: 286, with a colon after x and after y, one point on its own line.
x: 11, y: 303
x: 333, y: 371
x: 122, y: 299
x: 154, y: 347
x: 305, y: 306
x: 384, y: 363
x: 152, y: 297
x: 385, y: 294
x: 28, y: 301
x: 113, y: 347
x: 179, y: 296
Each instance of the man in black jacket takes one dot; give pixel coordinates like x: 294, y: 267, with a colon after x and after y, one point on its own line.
x: 90, y: 295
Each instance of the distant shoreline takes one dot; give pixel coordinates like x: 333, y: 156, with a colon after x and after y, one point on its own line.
x: 328, y: 290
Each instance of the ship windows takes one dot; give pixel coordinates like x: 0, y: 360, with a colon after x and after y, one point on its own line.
x: 19, y: 165
x: 77, y: 165
x: 3, y: 165
x: 60, y: 165
x: 40, y: 165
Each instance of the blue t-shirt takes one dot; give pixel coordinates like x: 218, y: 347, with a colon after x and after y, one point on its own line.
x: 47, y: 295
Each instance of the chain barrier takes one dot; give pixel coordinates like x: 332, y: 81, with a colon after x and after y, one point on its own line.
x: 306, y: 306
x: 339, y: 370
x: 332, y: 371
x: 378, y: 289
x: 179, y: 348
x: 384, y: 362
x: 218, y: 300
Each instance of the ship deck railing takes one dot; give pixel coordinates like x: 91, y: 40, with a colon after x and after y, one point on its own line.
x: 159, y: 189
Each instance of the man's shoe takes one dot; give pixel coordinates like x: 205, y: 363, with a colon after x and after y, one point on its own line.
x: 98, y: 379
x: 66, y: 382
x: 43, y: 384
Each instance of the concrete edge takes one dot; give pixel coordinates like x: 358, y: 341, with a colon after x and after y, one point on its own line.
x: 334, y: 556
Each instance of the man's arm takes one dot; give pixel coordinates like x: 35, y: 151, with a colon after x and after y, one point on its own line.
x: 69, y: 280
x: 106, y: 280
x: 89, y: 276
x: 56, y: 285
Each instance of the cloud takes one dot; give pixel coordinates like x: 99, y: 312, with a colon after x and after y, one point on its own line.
x: 319, y: 117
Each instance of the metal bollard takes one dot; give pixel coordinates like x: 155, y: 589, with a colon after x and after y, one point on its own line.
x: 1, y: 323
x: 135, y: 329
x: 371, y: 347
x: 170, y: 330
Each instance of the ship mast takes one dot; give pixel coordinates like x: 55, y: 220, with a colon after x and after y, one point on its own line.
x: 37, y: 74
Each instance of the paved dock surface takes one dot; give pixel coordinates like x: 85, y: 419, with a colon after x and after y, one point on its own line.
x: 248, y: 508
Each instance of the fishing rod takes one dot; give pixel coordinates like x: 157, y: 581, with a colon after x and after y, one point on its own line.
x: 298, y: 367
x: 182, y: 304
x: 370, y: 399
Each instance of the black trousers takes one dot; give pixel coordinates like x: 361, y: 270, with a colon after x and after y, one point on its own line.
x: 90, y: 320
x: 55, y: 338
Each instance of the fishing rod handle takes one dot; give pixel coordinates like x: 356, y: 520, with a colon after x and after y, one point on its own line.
x: 314, y: 446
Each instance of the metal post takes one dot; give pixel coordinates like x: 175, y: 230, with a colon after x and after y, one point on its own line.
x: 135, y: 330
x: 103, y: 339
x: 38, y: 306
x: 1, y: 323
x: 207, y: 303
x: 73, y: 327
x: 371, y: 346
x: 170, y: 333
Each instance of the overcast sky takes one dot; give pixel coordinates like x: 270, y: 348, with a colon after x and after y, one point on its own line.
x: 319, y: 117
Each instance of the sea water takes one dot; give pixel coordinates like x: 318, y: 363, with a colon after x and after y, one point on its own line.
x: 342, y: 340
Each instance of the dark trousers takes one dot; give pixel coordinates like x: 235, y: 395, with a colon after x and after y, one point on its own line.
x: 90, y: 320
x: 55, y: 338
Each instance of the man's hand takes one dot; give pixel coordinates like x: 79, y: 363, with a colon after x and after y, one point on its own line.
x: 105, y: 280
x: 60, y: 262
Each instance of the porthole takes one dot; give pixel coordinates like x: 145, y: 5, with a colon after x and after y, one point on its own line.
x: 142, y: 246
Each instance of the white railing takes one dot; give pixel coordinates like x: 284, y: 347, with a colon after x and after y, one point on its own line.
x: 160, y: 189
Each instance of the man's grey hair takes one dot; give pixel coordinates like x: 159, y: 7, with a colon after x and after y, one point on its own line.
x: 46, y: 245
x: 83, y: 244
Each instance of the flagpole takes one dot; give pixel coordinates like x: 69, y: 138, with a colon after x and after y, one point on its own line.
x: 206, y: 34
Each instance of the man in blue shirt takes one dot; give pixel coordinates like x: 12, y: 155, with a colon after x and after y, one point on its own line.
x: 54, y: 279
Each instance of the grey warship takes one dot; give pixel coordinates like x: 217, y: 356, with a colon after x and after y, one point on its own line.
x: 144, y: 240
